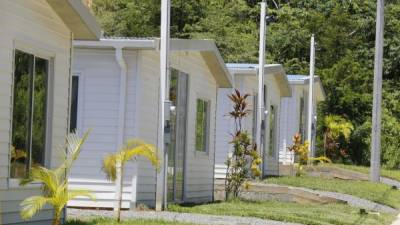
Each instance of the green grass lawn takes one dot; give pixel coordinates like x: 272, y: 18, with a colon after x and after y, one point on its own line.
x: 311, y: 214
x: 125, y: 222
x: 377, y: 192
x: 393, y: 174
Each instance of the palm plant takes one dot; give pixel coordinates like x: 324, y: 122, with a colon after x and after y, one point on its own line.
x: 335, y: 127
x: 54, y: 184
x: 113, y: 164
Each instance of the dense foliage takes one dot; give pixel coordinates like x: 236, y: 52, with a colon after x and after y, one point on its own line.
x: 345, y: 33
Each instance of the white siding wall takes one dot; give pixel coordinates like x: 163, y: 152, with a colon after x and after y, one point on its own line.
x: 147, y: 117
x: 199, y: 166
x: 199, y: 171
x: 246, y: 84
x: 98, y: 103
x: 271, y: 162
x: 224, y: 128
x: 35, y: 23
x: 289, y: 123
x: 98, y: 109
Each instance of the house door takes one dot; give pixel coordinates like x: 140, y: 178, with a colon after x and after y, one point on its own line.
x: 176, y: 150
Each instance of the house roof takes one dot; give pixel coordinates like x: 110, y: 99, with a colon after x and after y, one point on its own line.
x: 206, y: 48
x: 275, y: 70
x: 305, y: 80
x: 77, y: 18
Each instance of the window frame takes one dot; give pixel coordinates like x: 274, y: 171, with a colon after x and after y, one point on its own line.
x: 206, y: 133
x: 43, y: 53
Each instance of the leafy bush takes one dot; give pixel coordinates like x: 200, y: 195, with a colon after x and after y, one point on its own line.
x: 244, y: 151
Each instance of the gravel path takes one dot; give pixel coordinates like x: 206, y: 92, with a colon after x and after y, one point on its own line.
x: 352, y: 200
x: 173, y: 216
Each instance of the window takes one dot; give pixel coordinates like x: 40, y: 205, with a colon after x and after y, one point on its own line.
x: 255, y: 124
x: 272, y: 131
x: 29, y: 113
x: 302, y: 118
x: 202, y: 117
x: 74, y: 104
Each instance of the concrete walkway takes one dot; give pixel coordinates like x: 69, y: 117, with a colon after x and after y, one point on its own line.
x: 175, y: 217
x: 351, y: 200
x: 390, y: 182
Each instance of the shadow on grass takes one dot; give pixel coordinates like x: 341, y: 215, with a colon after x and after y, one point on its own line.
x: 194, y: 204
x: 78, y: 222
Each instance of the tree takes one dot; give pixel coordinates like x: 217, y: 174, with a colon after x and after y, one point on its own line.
x: 54, y: 183
x: 345, y: 47
x: 113, y: 164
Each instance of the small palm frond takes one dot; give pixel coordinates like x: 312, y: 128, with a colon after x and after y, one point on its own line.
x: 32, y: 205
x: 48, y: 178
x: 130, y: 150
x: 84, y: 193
x: 110, y: 165
x: 73, y: 145
x: 146, y: 150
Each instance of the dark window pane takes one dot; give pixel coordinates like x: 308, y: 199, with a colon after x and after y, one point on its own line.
x: 39, y: 112
x: 201, y: 125
x: 205, y: 124
x: 21, y: 114
x: 272, y: 131
x: 74, y: 103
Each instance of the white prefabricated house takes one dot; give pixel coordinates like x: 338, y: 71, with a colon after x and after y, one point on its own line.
x: 276, y: 87
x: 35, y: 51
x: 294, y: 113
x: 116, y: 94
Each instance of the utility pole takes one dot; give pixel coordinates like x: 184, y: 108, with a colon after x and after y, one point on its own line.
x: 161, y: 186
x: 377, y: 100
x: 311, y: 97
x: 261, y: 62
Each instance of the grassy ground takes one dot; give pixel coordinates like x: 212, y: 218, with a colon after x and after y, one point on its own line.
x: 380, y: 193
x: 393, y: 174
x: 127, y: 222
x: 311, y: 214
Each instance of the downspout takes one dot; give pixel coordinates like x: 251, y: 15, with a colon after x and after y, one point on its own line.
x: 121, y: 121
x: 71, y: 52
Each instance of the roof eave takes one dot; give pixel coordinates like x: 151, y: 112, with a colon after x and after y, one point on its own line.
x: 321, y: 95
x: 207, y: 49
x: 77, y: 18
x: 280, y: 77
x: 145, y: 44
x: 211, y: 55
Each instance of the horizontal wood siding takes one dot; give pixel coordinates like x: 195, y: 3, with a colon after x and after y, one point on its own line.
x: 199, y: 166
x: 147, y: 117
x: 224, y: 128
x: 247, y: 84
x: 98, y: 109
x: 35, y: 23
x: 225, y: 124
x: 271, y: 162
x: 289, y: 123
